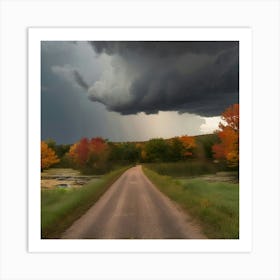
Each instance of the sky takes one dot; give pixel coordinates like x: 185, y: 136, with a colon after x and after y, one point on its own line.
x: 135, y: 90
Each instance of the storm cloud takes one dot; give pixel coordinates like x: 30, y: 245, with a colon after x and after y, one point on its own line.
x: 194, y: 77
x: 134, y: 91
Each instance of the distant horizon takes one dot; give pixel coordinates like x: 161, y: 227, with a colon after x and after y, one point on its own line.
x: 140, y: 141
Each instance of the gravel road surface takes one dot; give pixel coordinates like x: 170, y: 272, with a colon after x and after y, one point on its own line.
x: 133, y: 208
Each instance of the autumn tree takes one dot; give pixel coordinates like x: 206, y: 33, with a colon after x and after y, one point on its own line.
x: 48, y: 156
x: 228, y: 148
x: 180, y: 147
x: 83, y: 150
x: 90, y: 155
x: 61, y: 151
x: 188, y: 144
x: 98, y: 155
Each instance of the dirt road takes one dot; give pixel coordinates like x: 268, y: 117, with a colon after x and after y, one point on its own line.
x: 133, y: 208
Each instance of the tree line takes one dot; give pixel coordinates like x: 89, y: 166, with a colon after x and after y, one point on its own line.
x: 98, y: 155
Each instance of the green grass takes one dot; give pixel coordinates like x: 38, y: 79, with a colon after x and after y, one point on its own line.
x: 215, y: 205
x: 61, y: 207
x: 184, y: 168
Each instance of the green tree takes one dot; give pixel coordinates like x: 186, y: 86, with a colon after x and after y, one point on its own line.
x: 176, y: 150
x: 157, y: 150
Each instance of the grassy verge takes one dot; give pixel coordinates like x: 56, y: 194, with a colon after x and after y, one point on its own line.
x: 61, y: 207
x: 185, y: 168
x: 214, y: 205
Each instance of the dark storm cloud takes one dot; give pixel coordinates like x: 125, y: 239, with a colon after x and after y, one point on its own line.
x: 161, y: 48
x: 66, y: 113
x: 134, y: 79
x: 194, y: 77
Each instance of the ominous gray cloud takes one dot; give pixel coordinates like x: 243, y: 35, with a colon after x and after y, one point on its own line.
x: 194, y: 77
x: 71, y: 74
x: 66, y: 113
x: 125, y: 78
x: 161, y: 48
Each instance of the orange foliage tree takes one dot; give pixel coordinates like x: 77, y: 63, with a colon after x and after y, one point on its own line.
x: 189, y: 144
x: 90, y: 155
x: 228, y: 148
x: 79, y: 152
x: 48, y: 156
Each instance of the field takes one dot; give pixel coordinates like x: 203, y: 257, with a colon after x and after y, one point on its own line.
x: 213, y: 201
x: 60, y: 207
x: 185, y: 168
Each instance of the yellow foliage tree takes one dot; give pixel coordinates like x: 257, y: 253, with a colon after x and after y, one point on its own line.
x: 188, y: 143
x: 48, y: 156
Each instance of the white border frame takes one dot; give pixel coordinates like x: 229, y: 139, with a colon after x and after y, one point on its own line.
x: 243, y: 35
